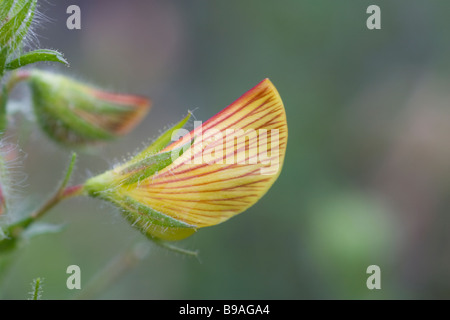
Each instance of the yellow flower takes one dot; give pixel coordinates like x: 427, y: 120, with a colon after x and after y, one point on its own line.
x: 209, y: 175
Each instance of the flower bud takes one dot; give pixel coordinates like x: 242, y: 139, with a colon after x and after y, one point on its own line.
x: 73, y: 113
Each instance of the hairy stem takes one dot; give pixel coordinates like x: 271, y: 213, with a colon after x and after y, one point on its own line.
x: 6, y: 88
x: 37, y: 289
x: 63, y: 192
x: 55, y: 199
x: 15, y: 78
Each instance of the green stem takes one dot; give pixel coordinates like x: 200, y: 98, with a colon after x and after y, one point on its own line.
x: 61, y: 193
x: 6, y: 88
x: 15, y: 78
x: 55, y: 199
x: 37, y: 288
x: 14, y: 230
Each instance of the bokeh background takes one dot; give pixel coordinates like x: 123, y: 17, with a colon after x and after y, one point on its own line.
x: 367, y: 173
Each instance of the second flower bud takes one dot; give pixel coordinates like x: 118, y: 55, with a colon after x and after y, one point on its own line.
x: 73, y: 113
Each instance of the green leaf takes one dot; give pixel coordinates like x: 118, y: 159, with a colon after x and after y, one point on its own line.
x: 10, y: 28
x: 149, y: 214
x: 20, y: 35
x: 18, y: 5
x: 13, y: 31
x: 36, y: 56
x: 5, y: 7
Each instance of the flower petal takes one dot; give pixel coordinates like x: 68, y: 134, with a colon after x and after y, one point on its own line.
x: 128, y: 112
x: 236, y: 157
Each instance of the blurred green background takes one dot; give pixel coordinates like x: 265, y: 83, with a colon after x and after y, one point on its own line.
x: 367, y: 173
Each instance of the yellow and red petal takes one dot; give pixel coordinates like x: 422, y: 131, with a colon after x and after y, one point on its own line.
x: 130, y: 110
x: 244, y: 146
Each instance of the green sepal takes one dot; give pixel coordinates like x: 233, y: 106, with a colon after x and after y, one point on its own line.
x: 154, y: 163
x: 153, y: 216
x: 162, y: 141
x: 155, y: 225
x: 152, y: 223
x: 36, y: 56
